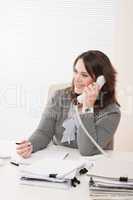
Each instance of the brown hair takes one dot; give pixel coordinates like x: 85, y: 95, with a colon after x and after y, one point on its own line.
x: 97, y: 63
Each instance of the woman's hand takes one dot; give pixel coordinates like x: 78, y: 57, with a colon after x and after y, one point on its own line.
x: 24, y: 149
x: 90, y: 95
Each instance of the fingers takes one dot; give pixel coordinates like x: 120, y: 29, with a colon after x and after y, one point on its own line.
x: 92, y: 90
x: 27, y: 154
x: 24, y: 148
x: 23, y: 145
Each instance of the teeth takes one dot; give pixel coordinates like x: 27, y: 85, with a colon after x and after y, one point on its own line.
x: 78, y: 85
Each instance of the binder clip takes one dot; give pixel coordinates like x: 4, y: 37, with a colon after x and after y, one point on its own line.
x: 83, y: 171
x: 123, y: 179
x: 52, y: 175
x: 91, y: 182
x: 74, y: 181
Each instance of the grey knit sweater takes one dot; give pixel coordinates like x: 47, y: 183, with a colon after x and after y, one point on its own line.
x: 101, y: 125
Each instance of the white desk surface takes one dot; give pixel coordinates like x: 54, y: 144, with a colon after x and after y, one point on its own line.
x: 11, y: 189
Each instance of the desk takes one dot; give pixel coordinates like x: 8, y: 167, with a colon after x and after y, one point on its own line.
x: 10, y: 189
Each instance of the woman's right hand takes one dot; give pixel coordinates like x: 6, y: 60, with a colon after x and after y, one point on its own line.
x: 24, y: 148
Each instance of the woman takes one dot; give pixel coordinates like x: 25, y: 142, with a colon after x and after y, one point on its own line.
x: 99, y: 110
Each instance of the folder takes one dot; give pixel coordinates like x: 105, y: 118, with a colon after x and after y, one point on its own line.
x: 48, y: 182
x: 110, y: 179
x: 46, y: 171
x: 112, y: 168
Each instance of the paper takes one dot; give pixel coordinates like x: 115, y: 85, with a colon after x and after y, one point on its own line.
x: 58, y: 183
x: 112, y: 168
x: 48, y: 171
x: 49, y: 184
x: 104, y: 187
x: 45, y: 167
x: 49, y: 152
x: 105, y: 179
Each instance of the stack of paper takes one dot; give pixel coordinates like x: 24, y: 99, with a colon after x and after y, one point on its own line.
x: 50, y: 171
x: 111, y: 179
x: 103, y: 186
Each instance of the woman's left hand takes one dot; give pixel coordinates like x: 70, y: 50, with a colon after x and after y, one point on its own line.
x: 90, y: 95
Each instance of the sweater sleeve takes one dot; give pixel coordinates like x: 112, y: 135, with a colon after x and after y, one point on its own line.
x: 102, y: 131
x: 45, y: 130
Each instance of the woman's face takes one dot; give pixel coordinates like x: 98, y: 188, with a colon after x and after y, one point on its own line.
x: 81, y: 77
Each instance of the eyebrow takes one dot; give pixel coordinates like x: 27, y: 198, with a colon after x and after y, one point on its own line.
x: 81, y: 72
x: 84, y: 73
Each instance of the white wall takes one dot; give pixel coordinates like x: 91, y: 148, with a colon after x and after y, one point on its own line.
x: 124, y: 61
x: 39, y: 41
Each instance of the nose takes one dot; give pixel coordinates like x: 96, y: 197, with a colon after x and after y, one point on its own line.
x: 78, y: 77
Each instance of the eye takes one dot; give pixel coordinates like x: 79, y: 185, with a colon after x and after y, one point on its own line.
x: 85, y: 75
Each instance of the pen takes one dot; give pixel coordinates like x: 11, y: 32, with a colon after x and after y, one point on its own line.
x: 18, y: 143
x: 13, y: 163
x: 66, y: 155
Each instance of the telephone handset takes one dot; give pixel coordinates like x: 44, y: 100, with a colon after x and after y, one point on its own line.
x: 100, y: 81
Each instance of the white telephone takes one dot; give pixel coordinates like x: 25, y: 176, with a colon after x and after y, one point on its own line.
x: 100, y: 81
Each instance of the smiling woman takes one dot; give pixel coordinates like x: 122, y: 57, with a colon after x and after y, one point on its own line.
x: 59, y: 122
x: 81, y: 77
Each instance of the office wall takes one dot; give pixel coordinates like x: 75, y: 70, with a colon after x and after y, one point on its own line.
x: 123, y: 56
x: 38, y: 43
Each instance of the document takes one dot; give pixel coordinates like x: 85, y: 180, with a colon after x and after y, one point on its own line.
x: 45, y: 167
x: 50, y: 170
x: 51, y: 151
x: 112, y: 168
x: 111, y: 178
